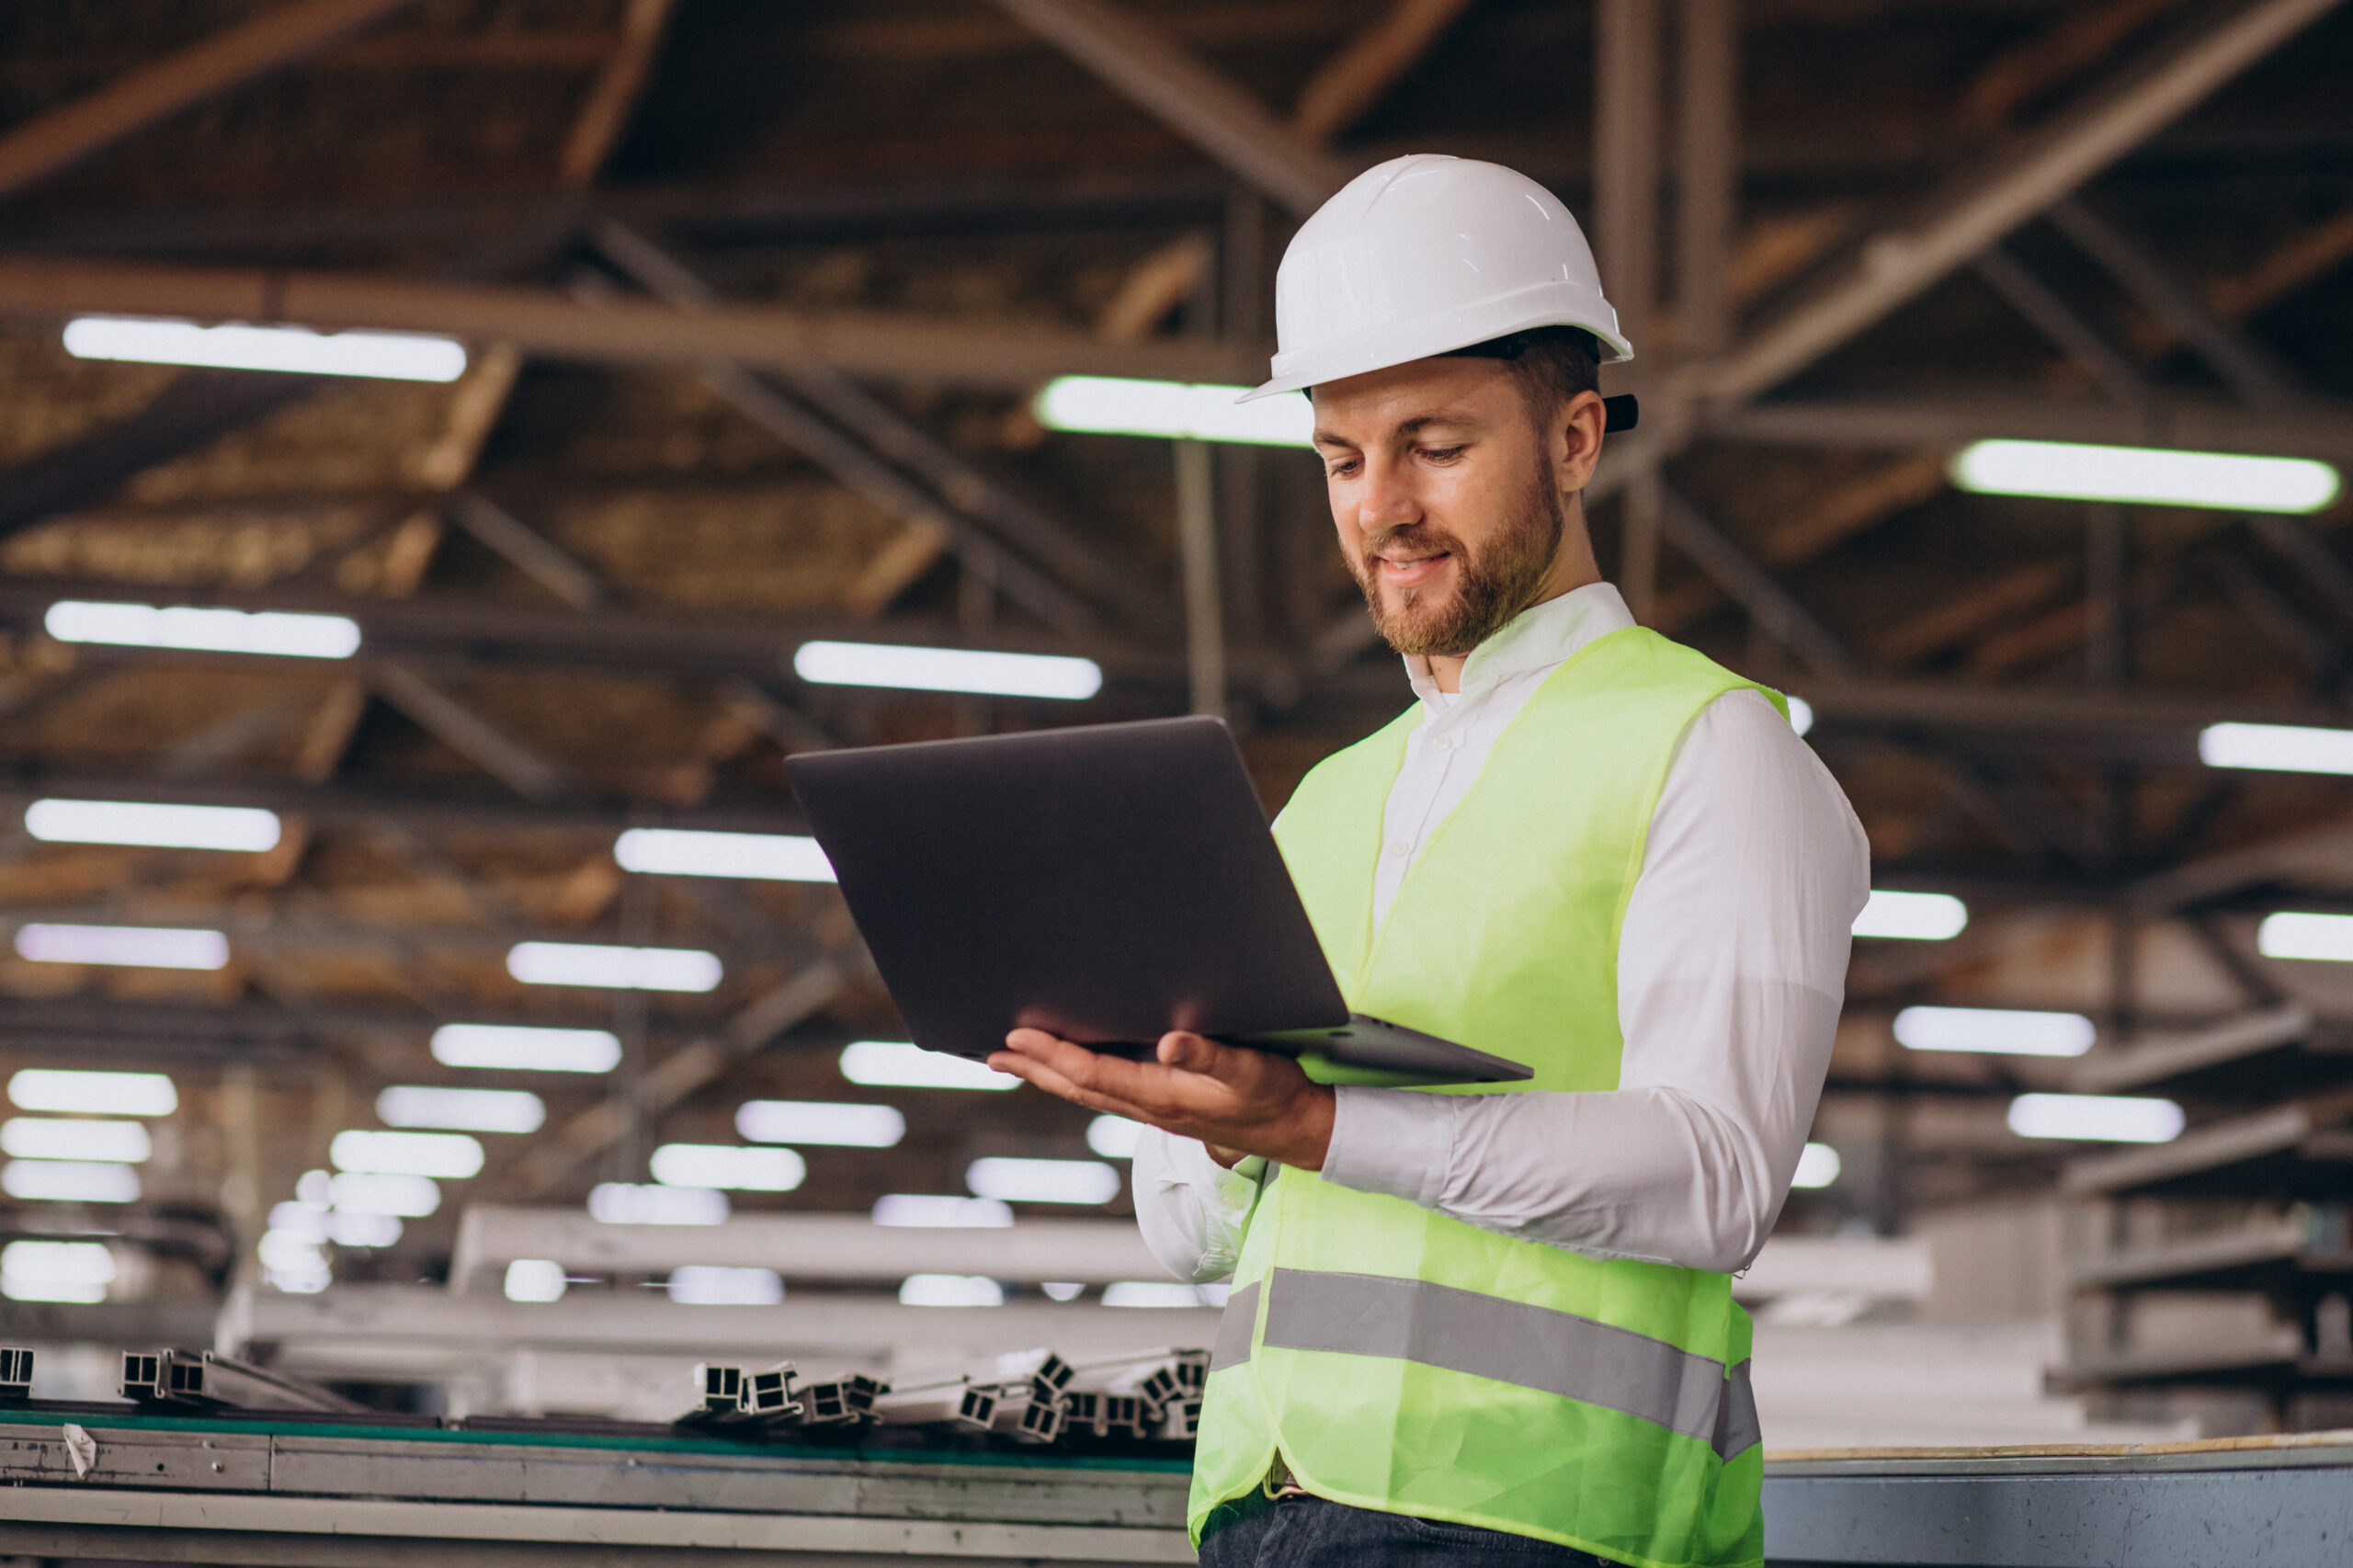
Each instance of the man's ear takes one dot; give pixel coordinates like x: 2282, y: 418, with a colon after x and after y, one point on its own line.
x: 1575, y: 439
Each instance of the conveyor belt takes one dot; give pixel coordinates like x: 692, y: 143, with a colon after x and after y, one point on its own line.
x: 297, y: 1490
x: 244, y: 1490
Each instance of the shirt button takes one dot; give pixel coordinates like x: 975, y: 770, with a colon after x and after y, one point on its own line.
x: 1400, y: 848
x: 1441, y: 743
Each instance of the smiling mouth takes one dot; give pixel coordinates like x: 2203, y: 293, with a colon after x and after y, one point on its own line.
x: 1409, y: 571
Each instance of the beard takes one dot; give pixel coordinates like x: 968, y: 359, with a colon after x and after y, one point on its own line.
x: 1492, y: 587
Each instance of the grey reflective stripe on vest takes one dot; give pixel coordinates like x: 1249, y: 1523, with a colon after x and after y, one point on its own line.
x: 1512, y: 1341
x: 1233, y: 1330
x: 1737, y: 1427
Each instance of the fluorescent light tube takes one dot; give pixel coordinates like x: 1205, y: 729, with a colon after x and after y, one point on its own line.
x: 535, y: 1280
x: 120, y: 1094
x: 1194, y: 411
x: 153, y: 340
x: 461, y: 1110
x: 384, y: 1192
x: 128, y: 947
x: 948, y: 669
x: 620, y: 1203
x: 889, y: 1064
x: 1800, y: 714
x: 821, y: 1122
x: 2148, y: 476
x: 1042, y: 1181
x: 2276, y: 748
x: 728, y: 1166
x: 203, y: 630
x: 1818, y: 1166
x: 1152, y: 1293
x: 56, y: 1271
x: 524, y: 1047
x: 931, y: 1211
x: 1913, y: 916
x: 2002, y: 1031
x: 762, y: 857
x: 2287, y: 934
x: 951, y: 1291
x: 450, y: 1156
x: 614, y: 969
x: 711, y: 1285
x: 42, y: 1138
x: 69, y: 1181
x: 1114, y: 1137
x: 2101, y: 1118
x: 245, y: 828
x: 347, y: 1230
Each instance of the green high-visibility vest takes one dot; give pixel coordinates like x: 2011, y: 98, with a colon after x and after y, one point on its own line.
x: 1401, y: 1360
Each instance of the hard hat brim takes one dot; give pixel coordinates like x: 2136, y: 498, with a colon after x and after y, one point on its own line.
x: 1442, y: 332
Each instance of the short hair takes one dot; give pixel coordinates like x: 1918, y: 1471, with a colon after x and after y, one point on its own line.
x: 1552, y: 364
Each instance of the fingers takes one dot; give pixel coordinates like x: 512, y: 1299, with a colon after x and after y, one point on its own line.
x: 1190, y: 1053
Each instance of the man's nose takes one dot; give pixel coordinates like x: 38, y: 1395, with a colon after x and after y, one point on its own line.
x: 1385, y: 500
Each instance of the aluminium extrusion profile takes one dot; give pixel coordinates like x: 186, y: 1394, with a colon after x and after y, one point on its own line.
x: 15, y: 1373
x: 955, y: 1404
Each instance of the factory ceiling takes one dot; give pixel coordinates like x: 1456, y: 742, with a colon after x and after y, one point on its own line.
x: 756, y: 297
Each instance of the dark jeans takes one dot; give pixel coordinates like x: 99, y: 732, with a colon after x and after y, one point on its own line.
x: 1308, y: 1532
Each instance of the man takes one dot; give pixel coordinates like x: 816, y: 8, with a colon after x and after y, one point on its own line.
x: 1495, y: 1324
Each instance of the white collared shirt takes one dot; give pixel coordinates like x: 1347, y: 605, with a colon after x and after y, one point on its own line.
x: 1731, y: 969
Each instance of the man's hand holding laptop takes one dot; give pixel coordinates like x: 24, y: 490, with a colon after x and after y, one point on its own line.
x: 1237, y: 1101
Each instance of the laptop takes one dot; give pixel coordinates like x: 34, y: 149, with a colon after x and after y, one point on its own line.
x: 1106, y: 884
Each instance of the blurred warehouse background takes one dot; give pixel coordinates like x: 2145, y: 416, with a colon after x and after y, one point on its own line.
x: 379, y: 1004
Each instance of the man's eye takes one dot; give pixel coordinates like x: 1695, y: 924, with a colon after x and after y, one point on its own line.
x: 1442, y: 454
x: 1341, y: 470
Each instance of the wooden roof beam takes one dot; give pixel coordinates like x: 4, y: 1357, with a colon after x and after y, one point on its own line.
x: 228, y: 59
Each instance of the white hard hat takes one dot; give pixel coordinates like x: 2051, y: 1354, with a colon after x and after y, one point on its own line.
x: 1424, y: 255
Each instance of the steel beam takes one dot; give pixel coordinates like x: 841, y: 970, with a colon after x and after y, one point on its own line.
x: 1739, y: 575
x: 150, y: 94
x: 1173, y: 85
x: 2312, y: 429
x: 540, y: 322
x: 198, y: 407
x: 2057, y: 321
x: 1897, y: 265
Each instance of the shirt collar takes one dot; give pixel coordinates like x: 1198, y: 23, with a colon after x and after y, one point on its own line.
x: 1539, y: 638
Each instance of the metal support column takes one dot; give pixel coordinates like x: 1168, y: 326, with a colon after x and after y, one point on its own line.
x: 1625, y: 174
x: 1197, y: 555
x: 1707, y: 174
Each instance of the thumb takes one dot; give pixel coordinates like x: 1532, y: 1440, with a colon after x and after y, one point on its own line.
x: 1190, y: 1053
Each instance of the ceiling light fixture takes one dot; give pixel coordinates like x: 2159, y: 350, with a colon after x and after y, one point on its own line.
x: 238, y: 828
x: 936, y: 1212
x: 821, y: 1122
x: 614, y: 969
x: 2276, y: 748
x: 525, y: 1048
x: 2001, y: 1032
x: 622, y: 1203
x: 715, y: 1285
x: 69, y: 1181
x: 1114, y: 1137
x: 203, y: 630
x: 56, y: 1271
x: 951, y: 1291
x: 2154, y: 476
x: 2290, y: 935
x: 1042, y: 1181
x: 383, y: 1192
x: 125, y: 946
x: 535, y: 1280
x: 891, y: 1063
x: 461, y: 1110
x: 1193, y: 411
x: 117, y: 1094
x: 42, y: 1138
x: 2096, y: 1118
x: 972, y: 670
x: 236, y: 345
x: 449, y: 1156
x: 1912, y: 916
x: 1818, y: 1166
x: 762, y: 856
x: 1800, y: 714
x: 1152, y: 1293
x: 728, y: 1166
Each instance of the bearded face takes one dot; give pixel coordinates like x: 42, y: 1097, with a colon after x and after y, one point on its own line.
x: 1473, y: 592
